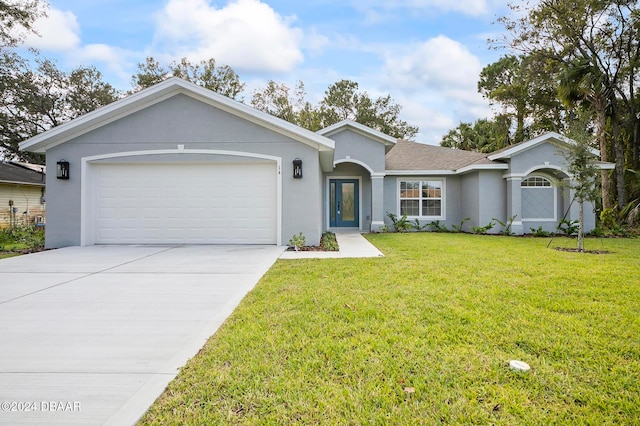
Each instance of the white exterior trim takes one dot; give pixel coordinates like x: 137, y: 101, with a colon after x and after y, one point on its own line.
x: 553, y: 187
x: 551, y: 136
x: 358, y: 128
x: 328, y: 180
x: 352, y: 160
x: 474, y: 167
x: 420, y: 172
x: 158, y: 93
x: 86, y: 239
x: 443, y: 199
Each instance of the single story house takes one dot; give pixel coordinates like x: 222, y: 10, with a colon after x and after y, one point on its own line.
x: 22, y: 189
x: 180, y: 164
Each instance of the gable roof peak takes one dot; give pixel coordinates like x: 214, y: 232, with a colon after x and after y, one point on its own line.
x: 510, y: 151
x: 162, y: 91
x: 358, y: 128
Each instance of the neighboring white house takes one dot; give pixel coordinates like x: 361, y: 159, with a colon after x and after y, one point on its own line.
x: 22, y: 189
x: 180, y: 164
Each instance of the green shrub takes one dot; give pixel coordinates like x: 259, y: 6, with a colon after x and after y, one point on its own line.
x: 328, y: 242
x: 458, y: 228
x: 21, y: 237
x: 506, y: 226
x: 568, y: 227
x: 297, y: 241
x: 401, y: 224
x: 482, y: 229
x: 539, y: 232
x: 436, y: 226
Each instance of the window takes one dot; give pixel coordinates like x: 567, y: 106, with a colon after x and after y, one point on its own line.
x: 421, y: 198
x: 539, y: 199
x: 536, y: 181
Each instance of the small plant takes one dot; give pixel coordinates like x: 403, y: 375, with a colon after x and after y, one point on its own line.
x: 482, y: 229
x: 597, y: 232
x: 568, y: 227
x: 458, y: 228
x: 328, y: 242
x: 297, y: 241
x: 384, y: 228
x: 418, y: 227
x: 506, y: 226
x: 539, y: 232
x: 436, y: 226
x: 401, y: 224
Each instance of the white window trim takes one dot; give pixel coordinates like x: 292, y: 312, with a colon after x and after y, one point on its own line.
x: 555, y: 198
x: 443, y: 205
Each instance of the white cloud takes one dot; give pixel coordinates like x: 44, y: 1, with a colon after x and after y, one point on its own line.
x: 58, y: 31
x: 245, y: 34
x: 437, y: 79
x: 374, y: 9
x: 437, y: 63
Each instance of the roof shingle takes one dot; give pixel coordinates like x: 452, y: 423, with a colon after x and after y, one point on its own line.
x: 13, y: 173
x: 408, y: 155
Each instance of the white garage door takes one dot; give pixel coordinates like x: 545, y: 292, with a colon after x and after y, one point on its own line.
x: 184, y: 203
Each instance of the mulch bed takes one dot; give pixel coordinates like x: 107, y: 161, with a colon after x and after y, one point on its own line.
x: 307, y: 248
x: 575, y: 250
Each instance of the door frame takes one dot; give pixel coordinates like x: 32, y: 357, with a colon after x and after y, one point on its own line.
x: 328, y: 199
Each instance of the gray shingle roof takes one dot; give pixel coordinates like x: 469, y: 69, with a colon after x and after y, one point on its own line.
x: 417, y: 156
x: 13, y: 173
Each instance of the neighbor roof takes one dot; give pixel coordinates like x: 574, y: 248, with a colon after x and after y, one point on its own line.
x: 413, y: 156
x: 17, y: 174
x: 158, y: 93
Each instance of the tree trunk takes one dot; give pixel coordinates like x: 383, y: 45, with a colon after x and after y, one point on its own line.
x: 619, y: 151
x: 580, y: 225
x: 602, y: 141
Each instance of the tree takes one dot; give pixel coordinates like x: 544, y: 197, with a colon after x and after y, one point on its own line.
x: 276, y: 99
x: 525, y: 87
x: 505, y: 82
x: 341, y: 101
x: 581, y: 83
x: 582, y: 169
x: 35, y: 100
x: 221, y: 79
x: 16, y: 17
x: 483, y: 136
x: 602, y: 33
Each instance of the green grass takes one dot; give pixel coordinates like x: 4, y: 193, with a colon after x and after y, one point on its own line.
x: 20, y: 239
x: 424, y: 336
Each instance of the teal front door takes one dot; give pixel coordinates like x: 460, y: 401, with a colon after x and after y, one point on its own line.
x: 344, y: 199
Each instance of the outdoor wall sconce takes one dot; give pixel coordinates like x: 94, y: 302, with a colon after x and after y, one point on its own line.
x: 62, y: 170
x: 297, y: 168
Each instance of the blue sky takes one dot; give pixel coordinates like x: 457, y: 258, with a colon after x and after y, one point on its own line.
x: 426, y: 54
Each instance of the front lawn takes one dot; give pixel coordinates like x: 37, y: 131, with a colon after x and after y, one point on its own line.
x: 425, y: 336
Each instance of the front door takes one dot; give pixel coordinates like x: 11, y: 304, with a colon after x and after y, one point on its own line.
x: 344, y: 199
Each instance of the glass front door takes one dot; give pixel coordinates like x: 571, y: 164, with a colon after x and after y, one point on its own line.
x: 344, y: 199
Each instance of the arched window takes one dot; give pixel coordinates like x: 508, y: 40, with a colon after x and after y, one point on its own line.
x: 538, y: 199
x: 536, y: 181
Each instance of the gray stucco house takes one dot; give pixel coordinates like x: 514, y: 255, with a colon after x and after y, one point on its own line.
x: 177, y: 163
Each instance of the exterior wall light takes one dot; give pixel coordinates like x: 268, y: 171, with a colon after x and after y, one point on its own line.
x: 62, y: 170
x: 297, y: 168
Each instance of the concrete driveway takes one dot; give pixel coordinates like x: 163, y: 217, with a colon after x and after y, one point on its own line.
x: 92, y: 335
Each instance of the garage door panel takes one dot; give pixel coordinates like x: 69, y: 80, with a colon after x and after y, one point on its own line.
x: 184, y: 203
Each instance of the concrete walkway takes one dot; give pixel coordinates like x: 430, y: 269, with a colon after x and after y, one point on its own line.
x: 92, y: 335
x: 351, y: 243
